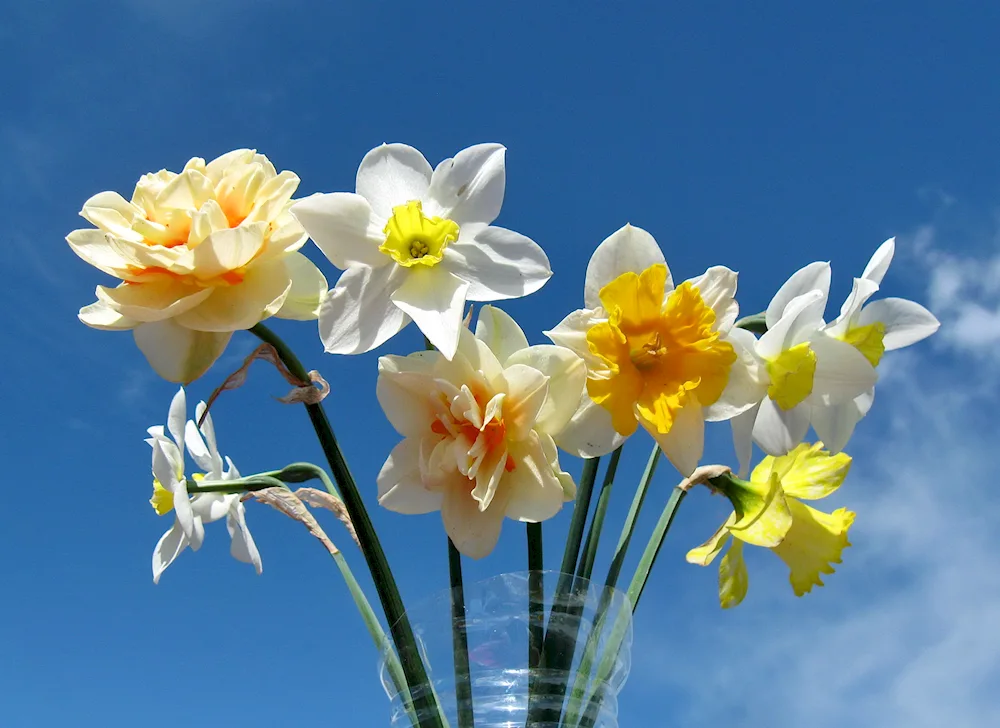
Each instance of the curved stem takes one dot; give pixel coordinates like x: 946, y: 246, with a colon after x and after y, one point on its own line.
x: 425, y: 703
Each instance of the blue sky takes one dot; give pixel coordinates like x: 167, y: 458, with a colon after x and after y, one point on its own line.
x: 760, y: 137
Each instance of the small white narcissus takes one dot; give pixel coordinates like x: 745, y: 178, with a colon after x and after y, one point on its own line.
x: 200, y: 254
x: 479, y: 431
x: 416, y: 244
x: 170, y: 491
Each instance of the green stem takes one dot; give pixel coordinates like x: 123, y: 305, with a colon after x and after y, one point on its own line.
x: 460, y: 640
x: 614, y: 571
x: 425, y: 703
x: 635, y: 591
x: 597, y: 523
x: 536, y: 595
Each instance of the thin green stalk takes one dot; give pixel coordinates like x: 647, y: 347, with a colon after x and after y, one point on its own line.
x: 580, y: 682
x: 597, y: 523
x: 555, y: 644
x: 635, y: 591
x: 536, y: 595
x: 460, y: 640
x: 417, y: 680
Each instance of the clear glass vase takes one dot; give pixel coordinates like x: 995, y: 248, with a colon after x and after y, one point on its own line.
x: 569, y: 679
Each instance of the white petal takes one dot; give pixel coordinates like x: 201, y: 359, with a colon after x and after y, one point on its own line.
x: 184, y: 513
x: 399, y: 485
x: 842, y: 372
x: 206, y: 428
x: 344, y: 228
x: 536, y: 493
x: 834, y: 424
x: 178, y: 354
x: 99, y: 315
x: 207, y: 460
x: 528, y: 390
x: 357, y: 314
x: 435, y: 299
x: 470, y: 187
x: 167, y: 549
x: 500, y: 332
x: 176, y: 416
x: 880, y: 260
x: 392, y: 174
x: 861, y: 291
x: 235, y: 308
x: 309, y: 286
x: 744, y: 389
x: 905, y: 322
x: 498, y: 264
x: 795, y: 325
x: 742, y: 425
x: 589, y: 432
x: 473, y: 532
x: 571, y: 332
x: 627, y: 249
x: 567, y: 380
x: 242, y: 547
x: 717, y: 287
x: 778, y: 431
x: 167, y: 462
x: 815, y: 276
x: 685, y: 443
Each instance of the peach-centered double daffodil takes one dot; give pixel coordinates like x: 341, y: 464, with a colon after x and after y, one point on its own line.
x: 769, y: 512
x: 656, y: 355
x: 416, y: 244
x: 200, y: 254
x: 479, y: 431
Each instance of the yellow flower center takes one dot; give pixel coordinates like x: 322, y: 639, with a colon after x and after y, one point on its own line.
x: 162, y: 500
x: 412, y: 238
x: 868, y: 340
x: 791, y: 374
x: 659, y: 356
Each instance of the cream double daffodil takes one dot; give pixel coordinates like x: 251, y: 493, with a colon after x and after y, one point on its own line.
x: 416, y: 244
x: 479, y: 431
x: 170, y: 491
x: 659, y: 356
x: 769, y: 512
x: 200, y: 254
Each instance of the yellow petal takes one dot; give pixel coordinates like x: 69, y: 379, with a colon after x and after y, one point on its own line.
x: 733, y: 579
x: 705, y: 554
x: 812, y: 544
x: 808, y: 472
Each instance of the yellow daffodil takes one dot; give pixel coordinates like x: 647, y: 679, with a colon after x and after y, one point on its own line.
x: 769, y: 512
x: 200, y: 254
x: 479, y: 431
x: 657, y: 355
x: 416, y: 243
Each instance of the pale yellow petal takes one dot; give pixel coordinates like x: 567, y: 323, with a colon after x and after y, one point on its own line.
x: 178, y: 354
x: 705, y: 554
x: 153, y: 301
x: 232, y: 308
x: 808, y: 472
x: 733, y: 579
x: 309, y: 286
x: 813, y: 543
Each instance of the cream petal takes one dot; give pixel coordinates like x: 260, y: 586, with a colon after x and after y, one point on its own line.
x: 589, y: 432
x: 228, y: 250
x: 153, y: 301
x: 94, y: 247
x: 815, y: 276
x: 273, y: 197
x: 178, y: 354
x: 475, y: 533
x: 880, y: 260
x: 475, y: 357
x: 567, y: 379
x: 358, y: 314
x: 435, y: 299
x: 777, y: 431
x: 905, y: 322
x: 399, y: 484
x: 309, y: 286
x: 209, y: 218
x: 536, y: 493
x: 344, y: 228
x: 499, y: 332
x: 470, y: 187
x: 391, y: 175
x: 685, y: 443
x: 404, y: 388
x: 498, y: 264
x: 627, y: 249
x: 110, y: 212
x: 262, y: 293
x: 528, y: 390
x: 717, y: 287
x: 100, y: 316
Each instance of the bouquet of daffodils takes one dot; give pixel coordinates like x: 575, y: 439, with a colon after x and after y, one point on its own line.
x: 485, y: 417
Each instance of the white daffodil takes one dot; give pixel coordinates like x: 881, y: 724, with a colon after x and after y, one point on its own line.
x: 200, y: 254
x: 193, y: 512
x: 656, y: 355
x: 417, y: 244
x: 873, y: 329
x: 479, y: 431
x: 799, y: 370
